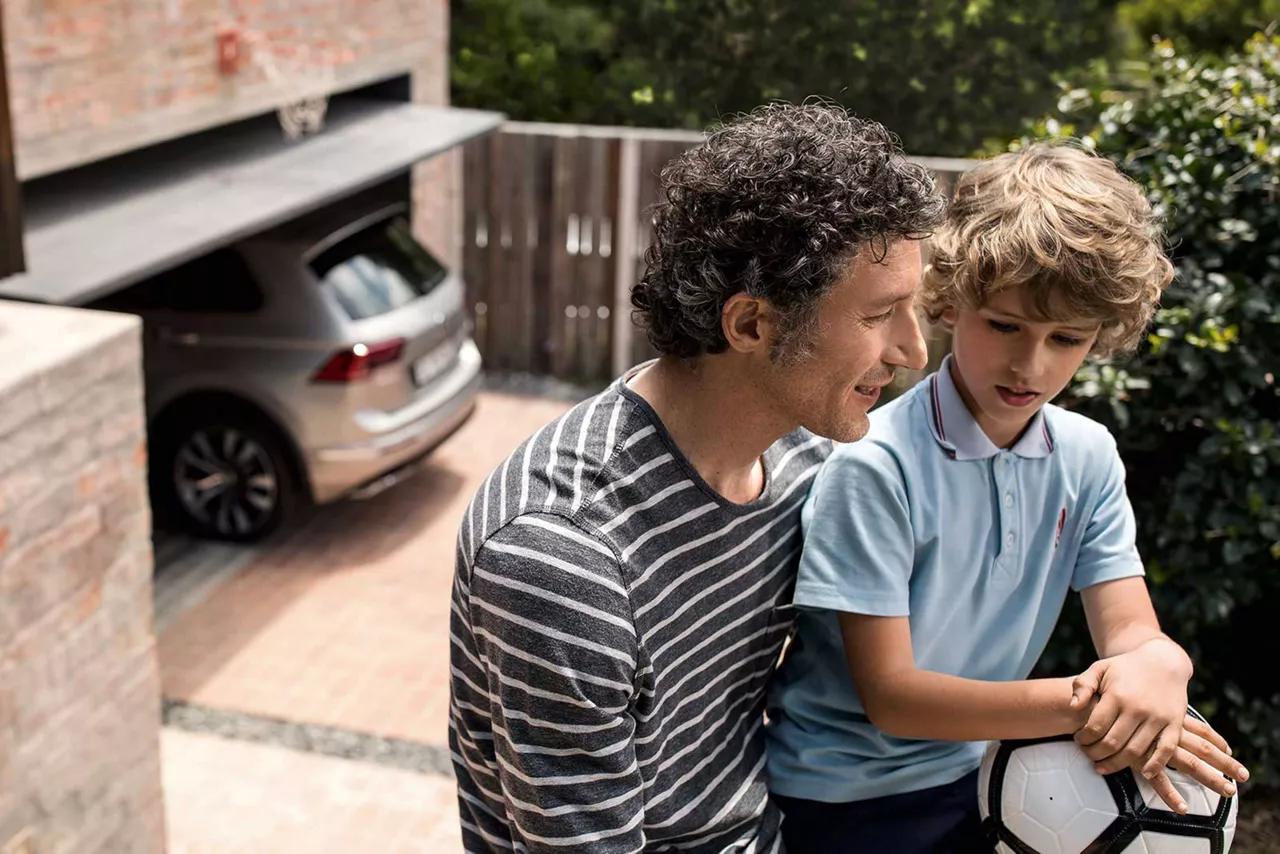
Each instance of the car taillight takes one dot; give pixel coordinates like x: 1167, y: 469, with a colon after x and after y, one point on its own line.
x: 357, y: 361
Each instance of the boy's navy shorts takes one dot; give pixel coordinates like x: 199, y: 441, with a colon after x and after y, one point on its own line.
x: 942, y: 820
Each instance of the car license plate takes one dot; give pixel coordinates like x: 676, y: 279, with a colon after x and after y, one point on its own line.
x: 434, y: 363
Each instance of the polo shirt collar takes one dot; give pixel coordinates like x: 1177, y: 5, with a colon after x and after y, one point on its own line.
x: 959, y: 434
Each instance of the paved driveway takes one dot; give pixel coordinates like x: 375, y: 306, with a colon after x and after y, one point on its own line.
x: 307, y: 699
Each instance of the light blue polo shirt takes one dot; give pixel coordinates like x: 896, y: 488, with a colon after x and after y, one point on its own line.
x: 979, y: 546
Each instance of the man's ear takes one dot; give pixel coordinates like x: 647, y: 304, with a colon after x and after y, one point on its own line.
x: 749, y: 323
x: 948, y: 317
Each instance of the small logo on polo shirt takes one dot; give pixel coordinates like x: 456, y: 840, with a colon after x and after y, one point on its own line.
x: 1062, y: 521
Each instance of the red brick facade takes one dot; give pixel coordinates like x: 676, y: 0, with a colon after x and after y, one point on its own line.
x: 91, y: 78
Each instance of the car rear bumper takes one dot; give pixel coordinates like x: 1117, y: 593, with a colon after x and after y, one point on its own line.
x: 336, y: 471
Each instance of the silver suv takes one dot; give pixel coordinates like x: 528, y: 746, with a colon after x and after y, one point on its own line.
x: 320, y: 360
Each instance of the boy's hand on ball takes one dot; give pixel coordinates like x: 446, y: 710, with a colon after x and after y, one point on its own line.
x: 1141, y: 702
x: 1138, y: 720
x: 1201, y: 754
x: 1205, y: 756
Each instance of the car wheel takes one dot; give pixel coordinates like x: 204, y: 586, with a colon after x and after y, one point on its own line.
x: 223, y: 477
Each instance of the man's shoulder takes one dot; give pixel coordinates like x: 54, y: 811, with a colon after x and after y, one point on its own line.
x: 577, y: 444
x: 549, y: 471
x: 594, y: 426
x: 550, y: 550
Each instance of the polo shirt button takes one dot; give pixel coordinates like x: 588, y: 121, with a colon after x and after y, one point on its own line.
x: 1008, y: 499
x: 1009, y: 540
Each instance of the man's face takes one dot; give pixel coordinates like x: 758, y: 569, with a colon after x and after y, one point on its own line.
x: 1009, y: 365
x: 867, y: 328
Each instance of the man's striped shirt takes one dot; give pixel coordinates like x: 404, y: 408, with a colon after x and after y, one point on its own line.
x: 614, y: 623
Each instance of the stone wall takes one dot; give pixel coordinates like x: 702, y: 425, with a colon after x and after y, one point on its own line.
x: 79, y: 683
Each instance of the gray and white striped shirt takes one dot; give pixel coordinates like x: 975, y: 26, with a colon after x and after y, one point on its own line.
x: 614, y: 623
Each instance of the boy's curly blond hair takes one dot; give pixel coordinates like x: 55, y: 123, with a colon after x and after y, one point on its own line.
x: 1064, y: 224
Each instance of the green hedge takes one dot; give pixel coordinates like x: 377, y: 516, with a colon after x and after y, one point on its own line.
x: 1209, y: 26
x: 945, y: 75
x: 1196, y: 412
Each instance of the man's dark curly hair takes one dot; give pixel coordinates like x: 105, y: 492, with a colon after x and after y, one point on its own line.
x: 775, y: 203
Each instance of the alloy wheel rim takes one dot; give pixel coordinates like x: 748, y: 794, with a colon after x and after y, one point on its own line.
x: 226, y: 480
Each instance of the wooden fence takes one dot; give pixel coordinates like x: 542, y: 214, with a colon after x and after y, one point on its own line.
x: 556, y: 223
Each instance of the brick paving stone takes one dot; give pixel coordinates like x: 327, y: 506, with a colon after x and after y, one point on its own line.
x: 343, y: 621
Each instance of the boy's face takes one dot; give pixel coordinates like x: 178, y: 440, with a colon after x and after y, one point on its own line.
x: 867, y: 328
x: 1007, y: 365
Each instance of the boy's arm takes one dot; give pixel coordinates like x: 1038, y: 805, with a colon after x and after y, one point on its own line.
x: 1140, y: 684
x: 857, y: 561
x: 1139, y: 719
x: 1122, y: 619
x: 908, y: 702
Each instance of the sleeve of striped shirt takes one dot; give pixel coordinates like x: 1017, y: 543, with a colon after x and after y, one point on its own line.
x: 554, y: 632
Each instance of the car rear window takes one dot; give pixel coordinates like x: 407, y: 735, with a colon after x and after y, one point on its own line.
x: 378, y: 269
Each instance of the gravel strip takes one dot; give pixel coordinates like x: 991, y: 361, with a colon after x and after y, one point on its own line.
x: 537, y: 385
x: 309, y: 738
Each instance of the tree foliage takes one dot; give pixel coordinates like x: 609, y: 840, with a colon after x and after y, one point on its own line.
x: 1201, y: 26
x: 1197, y: 411
x: 945, y: 75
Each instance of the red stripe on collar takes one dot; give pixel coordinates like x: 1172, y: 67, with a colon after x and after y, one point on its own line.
x: 937, y: 408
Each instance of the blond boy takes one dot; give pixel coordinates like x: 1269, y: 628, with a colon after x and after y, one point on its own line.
x: 940, y: 549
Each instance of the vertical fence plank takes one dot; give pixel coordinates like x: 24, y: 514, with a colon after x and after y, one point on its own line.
x: 542, y: 236
x: 937, y: 337
x: 12, y: 250
x: 593, y: 279
x: 585, y: 281
x: 608, y: 270
x: 500, y: 330
x: 579, y: 242
x: 515, y: 237
x: 560, y: 287
x: 626, y: 227
x: 475, y: 266
x: 640, y: 349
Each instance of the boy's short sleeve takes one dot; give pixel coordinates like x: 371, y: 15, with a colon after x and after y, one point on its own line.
x: 1109, y: 548
x: 858, y: 544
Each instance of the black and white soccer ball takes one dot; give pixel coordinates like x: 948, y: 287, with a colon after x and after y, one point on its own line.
x: 1044, y: 797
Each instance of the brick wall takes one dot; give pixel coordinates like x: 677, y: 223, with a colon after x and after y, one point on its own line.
x: 92, y: 78
x: 437, y: 183
x: 79, y: 684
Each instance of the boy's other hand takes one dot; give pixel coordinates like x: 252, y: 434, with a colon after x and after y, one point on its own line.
x: 1141, y: 702
x: 1204, y: 755
x: 1201, y: 754
x: 1139, y: 720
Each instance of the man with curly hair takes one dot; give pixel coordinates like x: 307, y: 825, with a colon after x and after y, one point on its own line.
x: 623, y: 580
